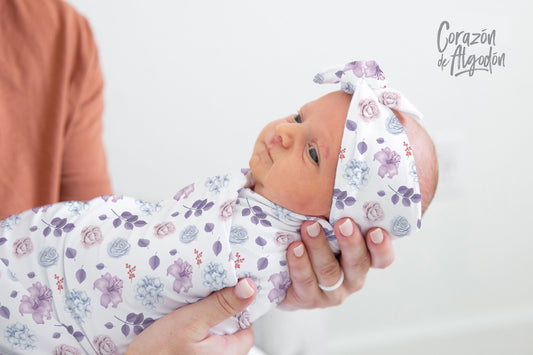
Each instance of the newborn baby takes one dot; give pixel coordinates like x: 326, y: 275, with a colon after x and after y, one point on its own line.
x: 89, y: 276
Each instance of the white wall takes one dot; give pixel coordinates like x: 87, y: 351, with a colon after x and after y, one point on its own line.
x: 189, y: 84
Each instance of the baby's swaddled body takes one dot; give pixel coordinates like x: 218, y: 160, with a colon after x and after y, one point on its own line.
x: 91, y: 275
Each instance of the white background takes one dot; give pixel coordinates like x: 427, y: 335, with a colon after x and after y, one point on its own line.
x: 189, y: 84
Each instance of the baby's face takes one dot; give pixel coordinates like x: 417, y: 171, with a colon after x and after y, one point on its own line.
x: 294, y: 158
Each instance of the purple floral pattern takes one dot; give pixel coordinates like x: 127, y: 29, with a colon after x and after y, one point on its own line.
x: 182, y: 272
x: 111, y: 288
x: 389, y: 161
x: 281, y: 282
x: 38, y: 303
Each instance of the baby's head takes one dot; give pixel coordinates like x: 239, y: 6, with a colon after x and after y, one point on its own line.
x: 300, y: 162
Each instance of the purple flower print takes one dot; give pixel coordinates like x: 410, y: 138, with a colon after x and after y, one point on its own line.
x: 38, y: 303
x: 226, y: 209
x: 372, y: 211
x: 111, y: 288
x: 22, y: 246
x: 104, y: 345
x: 390, y: 99
x: 163, y: 229
x: 90, y: 236
x: 65, y: 349
x: 182, y: 272
x: 368, y: 109
x: 389, y: 161
x: 368, y: 69
x: 281, y: 282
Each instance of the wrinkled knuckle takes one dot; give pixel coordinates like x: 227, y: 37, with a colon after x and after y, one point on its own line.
x: 224, y: 305
x: 329, y: 271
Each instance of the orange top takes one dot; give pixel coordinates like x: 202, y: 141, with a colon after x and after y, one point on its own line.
x: 50, y: 107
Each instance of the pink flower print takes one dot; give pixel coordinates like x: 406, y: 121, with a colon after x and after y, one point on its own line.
x: 185, y: 192
x: 368, y: 109
x: 22, y: 246
x: 65, y: 349
x: 163, y: 229
x: 243, y: 319
x: 38, y: 303
x: 372, y: 211
x: 90, y: 236
x: 284, y: 238
x: 104, y: 345
x: 281, y: 282
x: 390, y: 99
x: 226, y: 209
x: 389, y: 161
x: 182, y: 272
x: 111, y: 288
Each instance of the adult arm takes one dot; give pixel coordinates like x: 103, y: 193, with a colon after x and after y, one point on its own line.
x: 186, y: 330
x: 311, y: 263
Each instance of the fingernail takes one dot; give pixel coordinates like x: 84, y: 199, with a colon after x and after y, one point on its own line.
x: 377, y: 236
x: 346, y: 228
x: 244, y: 290
x: 313, y: 230
x: 299, y: 251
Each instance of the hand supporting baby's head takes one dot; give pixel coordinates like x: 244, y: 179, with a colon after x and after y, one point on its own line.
x: 350, y: 153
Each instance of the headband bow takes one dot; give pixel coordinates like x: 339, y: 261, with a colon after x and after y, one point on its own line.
x: 376, y: 182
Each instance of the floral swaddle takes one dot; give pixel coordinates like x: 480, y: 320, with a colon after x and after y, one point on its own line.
x: 87, y: 276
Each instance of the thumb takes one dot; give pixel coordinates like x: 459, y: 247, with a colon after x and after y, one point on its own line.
x: 224, y: 304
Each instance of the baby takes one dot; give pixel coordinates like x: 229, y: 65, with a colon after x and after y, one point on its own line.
x: 89, y: 276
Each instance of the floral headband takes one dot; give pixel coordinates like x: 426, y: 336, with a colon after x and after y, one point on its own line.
x: 376, y: 182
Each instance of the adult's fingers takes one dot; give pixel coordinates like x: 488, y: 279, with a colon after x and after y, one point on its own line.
x: 186, y: 330
x: 380, y: 247
x: 355, y: 258
x: 222, y: 305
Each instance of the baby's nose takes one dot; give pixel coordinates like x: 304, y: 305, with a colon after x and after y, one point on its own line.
x: 288, y: 133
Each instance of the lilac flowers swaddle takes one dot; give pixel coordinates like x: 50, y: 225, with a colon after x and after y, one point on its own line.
x: 376, y: 182
x: 90, y: 276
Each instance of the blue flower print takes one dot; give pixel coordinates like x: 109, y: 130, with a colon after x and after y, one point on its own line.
x: 8, y: 223
x: 149, y: 290
x: 393, y: 125
x: 217, y: 183
x: 215, y: 276
x: 189, y: 234
x: 20, y: 337
x: 118, y: 247
x: 76, y: 207
x: 148, y: 208
x: 356, y: 173
x: 280, y: 213
x: 78, y: 304
x: 48, y: 257
x: 347, y: 87
x: 319, y: 78
x: 412, y: 171
x: 238, y: 235
x: 400, y: 226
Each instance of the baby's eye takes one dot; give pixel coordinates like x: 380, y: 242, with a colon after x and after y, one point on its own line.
x: 298, y: 118
x: 313, y: 154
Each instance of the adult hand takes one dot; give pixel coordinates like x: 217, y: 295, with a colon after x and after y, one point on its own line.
x: 312, y: 263
x: 186, y: 330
